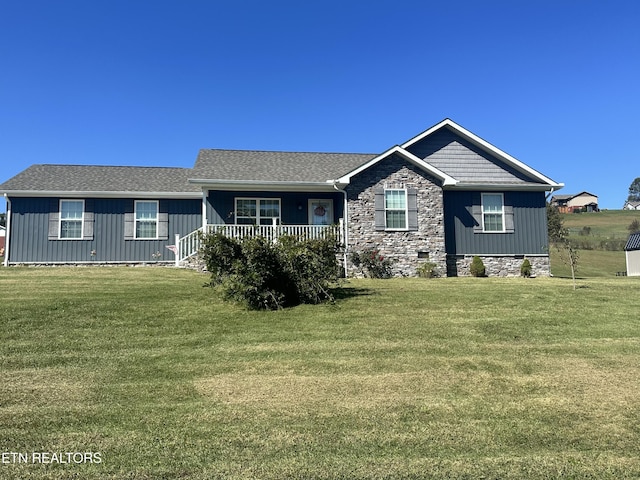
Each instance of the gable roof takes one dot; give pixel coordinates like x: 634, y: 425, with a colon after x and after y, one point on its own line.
x: 633, y: 243
x: 83, y: 180
x: 446, y: 179
x: 473, y: 161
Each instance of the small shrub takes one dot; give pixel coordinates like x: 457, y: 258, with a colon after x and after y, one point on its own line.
x: 477, y: 267
x: 525, y: 268
x: 372, y: 263
x: 427, y: 270
x: 634, y: 227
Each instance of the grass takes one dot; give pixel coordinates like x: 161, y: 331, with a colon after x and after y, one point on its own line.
x: 403, y: 378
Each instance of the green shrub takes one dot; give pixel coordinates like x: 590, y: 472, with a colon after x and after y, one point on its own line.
x: 477, y: 267
x: 427, y: 270
x: 267, y: 275
x: 372, y: 263
x: 525, y: 268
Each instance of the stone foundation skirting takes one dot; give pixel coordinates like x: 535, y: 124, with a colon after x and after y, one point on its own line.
x: 498, y: 266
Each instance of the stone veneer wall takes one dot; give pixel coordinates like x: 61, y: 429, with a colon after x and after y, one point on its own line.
x: 499, y: 266
x: 402, y: 247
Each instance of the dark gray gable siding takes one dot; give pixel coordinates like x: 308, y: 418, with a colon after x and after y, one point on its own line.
x: 464, y: 161
x: 30, y: 242
x: 528, y: 219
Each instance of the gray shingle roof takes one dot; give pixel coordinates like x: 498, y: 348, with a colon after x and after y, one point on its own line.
x: 633, y: 243
x: 90, y: 178
x: 275, y: 166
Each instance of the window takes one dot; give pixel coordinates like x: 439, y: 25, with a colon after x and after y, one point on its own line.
x: 492, y: 212
x: 395, y: 207
x: 71, y: 219
x: 146, y: 219
x: 257, y: 211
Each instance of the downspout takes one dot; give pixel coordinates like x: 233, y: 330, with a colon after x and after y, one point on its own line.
x: 7, y: 231
x: 345, y: 225
x: 550, y: 193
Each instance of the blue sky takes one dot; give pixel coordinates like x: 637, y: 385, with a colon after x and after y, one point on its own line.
x: 553, y: 83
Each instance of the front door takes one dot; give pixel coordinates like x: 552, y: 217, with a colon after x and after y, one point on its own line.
x: 321, y: 212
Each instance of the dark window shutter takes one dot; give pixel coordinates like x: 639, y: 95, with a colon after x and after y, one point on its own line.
x: 476, y: 212
x: 380, y: 221
x: 87, y: 227
x: 163, y: 226
x: 509, y: 226
x: 54, y: 225
x: 128, y: 225
x: 412, y: 208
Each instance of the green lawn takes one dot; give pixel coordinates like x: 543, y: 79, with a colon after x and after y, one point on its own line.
x: 404, y: 378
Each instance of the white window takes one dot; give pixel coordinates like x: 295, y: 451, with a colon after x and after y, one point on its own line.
x: 71, y: 219
x: 492, y: 212
x: 146, y: 219
x: 395, y: 209
x: 257, y: 211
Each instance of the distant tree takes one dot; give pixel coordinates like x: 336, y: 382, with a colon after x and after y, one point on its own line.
x: 555, y: 224
x: 634, y: 191
x: 3, y: 219
x: 634, y: 227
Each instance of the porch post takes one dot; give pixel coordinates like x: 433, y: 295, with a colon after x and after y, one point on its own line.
x: 177, y: 252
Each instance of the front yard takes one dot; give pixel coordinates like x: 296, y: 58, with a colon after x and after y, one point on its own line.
x: 403, y: 378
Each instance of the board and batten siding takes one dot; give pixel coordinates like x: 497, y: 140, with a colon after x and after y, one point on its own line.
x: 30, y: 242
x: 529, y: 237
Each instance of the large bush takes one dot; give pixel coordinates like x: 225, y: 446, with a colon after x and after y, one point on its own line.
x: 372, y: 263
x: 272, y: 275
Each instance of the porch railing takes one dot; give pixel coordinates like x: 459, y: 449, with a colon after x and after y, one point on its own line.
x: 190, y: 244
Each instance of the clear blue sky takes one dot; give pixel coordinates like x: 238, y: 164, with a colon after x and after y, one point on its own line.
x: 555, y: 83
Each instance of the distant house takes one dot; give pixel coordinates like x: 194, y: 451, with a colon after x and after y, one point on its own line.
x: 631, y: 205
x: 583, y: 201
x: 443, y: 196
x: 632, y: 252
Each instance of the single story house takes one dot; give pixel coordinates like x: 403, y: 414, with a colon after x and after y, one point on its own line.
x: 442, y: 196
x: 632, y: 252
x: 583, y: 201
x: 631, y: 205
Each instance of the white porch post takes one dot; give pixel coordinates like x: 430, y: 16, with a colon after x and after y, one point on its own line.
x: 177, y: 252
x: 7, y: 231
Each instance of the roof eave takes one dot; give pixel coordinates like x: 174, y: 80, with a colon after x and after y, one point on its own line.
x: 495, y: 187
x: 269, y: 186
x: 430, y: 169
x: 98, y: 194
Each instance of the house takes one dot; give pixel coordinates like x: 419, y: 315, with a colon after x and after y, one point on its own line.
x: 583, y: 202
x: 443, y: 196
x: 631, y: 205
x: 632, y: 252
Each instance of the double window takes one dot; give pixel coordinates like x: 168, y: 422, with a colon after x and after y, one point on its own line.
x: 146, y: 219
x: 71, y: 219
x: 257, y: 211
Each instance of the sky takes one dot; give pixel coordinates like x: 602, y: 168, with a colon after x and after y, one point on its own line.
x: 554, y: 83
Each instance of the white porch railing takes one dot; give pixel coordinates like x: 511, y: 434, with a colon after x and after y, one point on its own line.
x: 190, y: 244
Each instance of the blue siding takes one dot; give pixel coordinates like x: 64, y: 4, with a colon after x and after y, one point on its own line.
x: 29, y: 232
x: 530, y: 222
x: 294, y: 205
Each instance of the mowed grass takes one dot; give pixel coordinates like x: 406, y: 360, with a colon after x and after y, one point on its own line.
x: 404, y: 378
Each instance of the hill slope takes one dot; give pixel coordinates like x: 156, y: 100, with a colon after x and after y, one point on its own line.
x: 601, y: 237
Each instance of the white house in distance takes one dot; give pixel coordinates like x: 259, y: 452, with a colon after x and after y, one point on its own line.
x: 632, y: 252
x: 631, y: 205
